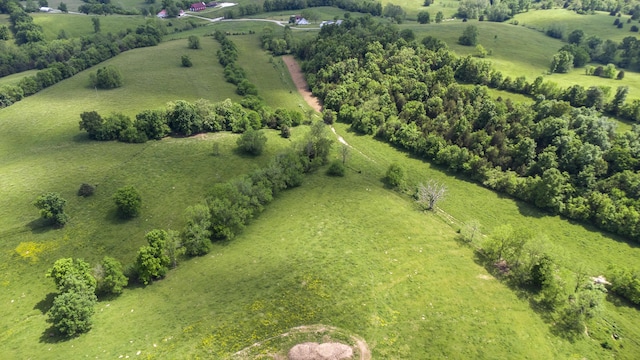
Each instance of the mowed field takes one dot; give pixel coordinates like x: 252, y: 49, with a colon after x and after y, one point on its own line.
x: 344, y: 252
x: 599, y: 24
x: 520, y: 51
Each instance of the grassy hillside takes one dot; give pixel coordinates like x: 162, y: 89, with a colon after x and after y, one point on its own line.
x: 514, y: 56
x: 76, y: 25
x: 413, y: 7
x: 599, y: 24
x: 345, y: 252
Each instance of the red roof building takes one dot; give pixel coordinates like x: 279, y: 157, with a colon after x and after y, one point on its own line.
x: 197, y: 6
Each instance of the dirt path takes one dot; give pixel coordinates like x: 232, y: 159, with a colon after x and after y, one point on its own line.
x: 303, y: 88
x: 301, y: 84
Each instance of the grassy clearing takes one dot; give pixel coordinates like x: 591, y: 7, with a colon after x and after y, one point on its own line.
x: 344, y: 252
x: 575, y: 245
x: 413, y: 7
x: 387, y: 272
x: 75, y: 25
x: 515, y: 57
x: 599, y: 24
x: 14, y: 79
x: 50, y: 154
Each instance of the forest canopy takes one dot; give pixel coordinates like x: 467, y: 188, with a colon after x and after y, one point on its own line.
x: 566, y: 159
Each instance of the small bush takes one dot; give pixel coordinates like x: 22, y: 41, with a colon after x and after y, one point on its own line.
x: 616, y: 22
x: 252, y: 142
x: 108, y: 77
x: 86, y: 190
x: 194, y: 42
x: 128, y: 201
x: 634, y: 28
x: 186, y: 61
x: 620, y: 75
x: 336, y: 168
x: 620, y: 25
x: 285, y: 132
x: 395, y: 176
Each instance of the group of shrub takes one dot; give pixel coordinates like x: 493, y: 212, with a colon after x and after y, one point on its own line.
x: 278, y: 45
x: 184, y: 119
x: 78, y: 290
x: 516, y: 255
x: 233, y: 73
x: 225, y: 211
x: 51, y: 205
x: 194, y: 43
x: 583, y: 49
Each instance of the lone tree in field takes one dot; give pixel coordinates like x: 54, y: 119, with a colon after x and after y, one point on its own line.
x: 110, y: 279
x: 430, y: 194
x: 395, y: 176
x: 186, y: 61
x: 424, y: 17
x: 109, y: 77
x: 469, y: 36
x: 252, y: 142
x: 51, y: 207
x: 152, y: 261
x: 128, y: 201
x: 194, y: 42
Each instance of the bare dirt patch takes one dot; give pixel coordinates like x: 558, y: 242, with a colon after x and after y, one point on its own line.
x: 328, y: 346
x: 301, y: 83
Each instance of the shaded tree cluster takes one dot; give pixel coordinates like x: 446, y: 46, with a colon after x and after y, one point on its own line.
x: 183, y: 118
x: 233, y: 73
x: 77, y: 284
x: 491, y: 10
x: 564, y: 159
x: 62, y: 58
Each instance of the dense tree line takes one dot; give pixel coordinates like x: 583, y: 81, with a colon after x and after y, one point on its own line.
x: 233, y: 73
x: 584, y: 49
x: 491, y: 10
x: 183, y: 118
x: 278, y: 45
x: 363, y: 6
x: 565, y: 159
x: 62, y: 58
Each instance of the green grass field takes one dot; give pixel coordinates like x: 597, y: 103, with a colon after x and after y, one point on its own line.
x: 515, y: 57
x: 345, y: 252
x: 413, y: 7
x: 76, y: 25
x: 599, y: 24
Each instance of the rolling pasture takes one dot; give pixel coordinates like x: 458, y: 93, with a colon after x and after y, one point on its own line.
x: 599, y: 24
x: 520, y: 51
x: 344, y: 252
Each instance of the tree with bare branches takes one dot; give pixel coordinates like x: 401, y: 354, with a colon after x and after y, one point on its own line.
x: 430, y: 193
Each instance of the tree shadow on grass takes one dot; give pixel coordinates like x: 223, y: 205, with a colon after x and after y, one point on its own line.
x: 40, y: 226
x: 45, y: 304
x: 82, y: 137
x: 620, y: 302
x: 113, y: 217
x: 51, y: 336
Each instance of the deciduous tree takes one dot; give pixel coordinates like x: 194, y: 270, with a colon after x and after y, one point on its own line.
x: 128, y: 201
x: 51, y: 207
